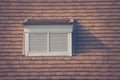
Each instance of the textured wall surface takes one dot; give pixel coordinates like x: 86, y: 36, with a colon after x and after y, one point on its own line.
x: 97, y: 44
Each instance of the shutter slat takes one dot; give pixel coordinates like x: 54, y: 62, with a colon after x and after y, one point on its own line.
x: 58, y: 42
x: 38, y: 42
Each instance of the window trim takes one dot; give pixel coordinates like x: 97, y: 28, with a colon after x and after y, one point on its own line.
x: 66, y: 29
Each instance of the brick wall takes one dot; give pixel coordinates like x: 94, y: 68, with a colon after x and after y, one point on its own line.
x: 97, y: 44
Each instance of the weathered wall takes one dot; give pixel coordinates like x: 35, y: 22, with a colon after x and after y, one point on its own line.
x: 97, y: 43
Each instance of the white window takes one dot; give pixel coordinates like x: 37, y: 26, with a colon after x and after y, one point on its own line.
x: 48, y: 40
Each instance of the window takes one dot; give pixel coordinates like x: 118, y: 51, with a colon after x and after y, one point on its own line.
x: 48, y: 40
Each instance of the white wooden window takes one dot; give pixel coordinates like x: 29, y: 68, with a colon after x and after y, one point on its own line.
x: 48, y: 40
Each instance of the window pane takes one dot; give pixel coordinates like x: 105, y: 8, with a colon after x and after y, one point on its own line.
x: 58, y: 42
x: 38, y: 42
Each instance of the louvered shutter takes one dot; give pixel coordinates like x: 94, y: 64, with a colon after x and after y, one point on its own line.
x: 38, y: 42
x: 58, y: 42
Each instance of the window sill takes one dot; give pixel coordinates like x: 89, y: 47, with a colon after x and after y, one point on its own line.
x: 49, y: 54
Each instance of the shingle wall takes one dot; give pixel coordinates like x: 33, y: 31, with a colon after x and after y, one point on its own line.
x: 97, y: 44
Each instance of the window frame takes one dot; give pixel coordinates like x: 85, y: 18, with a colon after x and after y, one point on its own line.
x: 49, y: 29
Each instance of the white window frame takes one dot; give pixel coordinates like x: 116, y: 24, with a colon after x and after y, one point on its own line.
x: 48, y: 29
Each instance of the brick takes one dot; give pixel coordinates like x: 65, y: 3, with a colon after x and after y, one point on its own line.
x: 97, y: 40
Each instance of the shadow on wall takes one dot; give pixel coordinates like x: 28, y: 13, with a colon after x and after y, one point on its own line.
x: 85, y: 41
